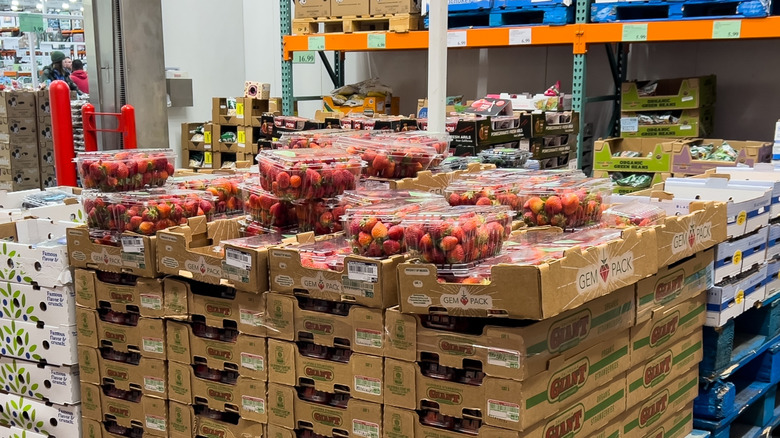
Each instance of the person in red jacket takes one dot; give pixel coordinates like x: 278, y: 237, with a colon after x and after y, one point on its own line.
x: 79, y: 76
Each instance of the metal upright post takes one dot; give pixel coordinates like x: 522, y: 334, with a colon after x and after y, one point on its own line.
x: 437, y: 67
x: 285, y: 25
x: 578, y: 80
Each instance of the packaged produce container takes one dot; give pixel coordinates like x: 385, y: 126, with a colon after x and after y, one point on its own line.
x: 314, y: 139
x: 322, y: 216
x: 99, y: 210
x: 325, y: 254
x: 123, y: 170
x: 390, y: 158
x: 266, y: 209
x: 308, y: 173
x: 484, y: 192
x: 565, y: 203
x: 146, y: 212
x: 226, y: 190
x: 509, y: 158
x: 633, y: 214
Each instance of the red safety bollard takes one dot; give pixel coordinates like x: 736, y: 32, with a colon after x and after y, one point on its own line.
x: 62, y: 133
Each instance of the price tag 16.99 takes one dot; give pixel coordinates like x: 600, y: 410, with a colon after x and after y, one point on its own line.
x: 305, y: 57
x: 457, y: 39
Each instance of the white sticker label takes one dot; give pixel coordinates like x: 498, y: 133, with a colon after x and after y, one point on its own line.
x: 629, y: 124
x: 368, y: 338
x: 239, y: 259
x: 156, y: 423
x: 154, y: 384
x: 368, y: 385
x: 250, y: 317
x: 362, y: 271
x: 153, y: 302
x: 365, y: 429
x: 252, y: 361
x: 456, y: 39
x: 132, y: 244
x: 504, y: 358
x: 503, y: 410
x: 253, y: 404
x: 687, y: 98
x: 520, y: 36
x: 153, y: 345
x: 685, y: 127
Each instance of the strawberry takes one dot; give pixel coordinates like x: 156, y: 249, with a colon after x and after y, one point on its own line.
x: 553, y: 206
x: 484, y: 201
x: 395, y: 232
x: 379, y: 231
x: 283, y: 180
x: 448, y: 243
x: 367, y: 224
x: 536, y: 205
x: 391, y: 247
x: 146, y: 227
x: 454, y: 199
x: 456, y: 255
x: 570, y: 203
x: 364, y: 239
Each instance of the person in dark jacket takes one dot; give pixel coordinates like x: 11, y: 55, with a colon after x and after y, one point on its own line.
x: 56, y: 72
x: 79, y: 76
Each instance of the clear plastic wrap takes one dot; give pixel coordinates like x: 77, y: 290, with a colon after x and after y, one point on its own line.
x: 633, y: 214
x: 565, y: 203
x: 47, y: 197
x: 509, y: 158
x: 150, y: 211
x: 484, y: 192
x: 123, y: 170
x: 266, y: 209
x: 322, y: 216
x: 314, y: 139
x: 389, y: 158
x: 326, y: 254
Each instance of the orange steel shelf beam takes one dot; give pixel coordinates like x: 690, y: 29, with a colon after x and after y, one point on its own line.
x: 578, y: 35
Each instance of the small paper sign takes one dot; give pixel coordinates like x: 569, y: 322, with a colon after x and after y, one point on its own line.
x: 317, y: 43
x: 303, y: 58
x: 635, y: 32
x: 519, y: 36
x: 377, y: 41
x: 456, y: 39
x: 726, y: 29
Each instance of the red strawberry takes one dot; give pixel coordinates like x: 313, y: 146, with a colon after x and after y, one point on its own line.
x: 391, y: 247
x: 454, y: 199
x: 456, y: 255
x: 395, y: 232
x: 283, y: 180
x: 484, y: 201
x: 448, y: 243
x: 553, y: 206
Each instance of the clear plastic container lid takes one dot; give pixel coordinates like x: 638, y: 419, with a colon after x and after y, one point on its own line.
x: 389, y: 158
x: 314, y: 139
x: 456, y: 163
x: 47, y: 197
x: 633, y: 214
x: 325, y: 254
x: 565, y: 202
x: 440, y: 142
x: 255, y: 242
x: 226, y: 189
x: 122, y: 170
x: 483, y: 192
x: 146, y: 212
x: 322, y: 216
x: 265, y: 208
x: 505, y: 157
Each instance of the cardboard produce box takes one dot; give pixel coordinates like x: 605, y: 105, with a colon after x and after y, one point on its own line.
x: 254, y: 109
x: 381, y: 7
x: 665, y: 327
x: 287, y: 409
x: 222, y: 115
x: 360, y: 375
x: 135, y: 254
x: 16, y: 103
x: 733, y: 296
x: 147, y: 337
x: 773, y: 242
x: 58, y: 420
x: 188, y: 251
x: 247, y: 354
x: 759, y: 174
x: 360, y: 329
x: 371, y: 105
x: 31, y: 341
x: 187, y: 421
x: 149, y: 375
x: 680, y: 93
x: 340, y: 8
x: 312, y: 9
x: 672, y: 424
x: 55, y: 384
x: 51, y: 306
x: 248, y: 395
x: 146, y: 296
x: 512, y: 352
x: 551, y: 146
x: 217, y: 306
x: 772, y: 278
x: 674, y: 283
x: 664, y: 403
x: 239, y: 145
x: 524, y: 404
x: 655, y: 155
x: 738, y: 255
x: 43, y: 104
x: 549, y: 288
x: 146, y: 413
x: 428, y: 181
x: 19, y: 130
x: 186, y: 137
x: 697, y: 122
x: 34, y: 252
x: 546, y: 123
x: 248, y: 137
x: 748, y: 153
x: 478, y: 134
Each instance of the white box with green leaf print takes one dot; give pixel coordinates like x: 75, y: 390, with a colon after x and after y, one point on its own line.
x: 36, y: 416
x: 55, y: 384
x: 15, y: 432
x: 52, y: 306
x: 34, y: 252
x: 49, y: 344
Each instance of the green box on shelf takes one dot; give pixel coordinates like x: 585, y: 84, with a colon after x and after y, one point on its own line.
x: 655, y: 154
x: 680, y: 93
x: 697, y: 122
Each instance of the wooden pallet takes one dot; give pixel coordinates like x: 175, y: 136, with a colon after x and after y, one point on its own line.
x: 400, y: 23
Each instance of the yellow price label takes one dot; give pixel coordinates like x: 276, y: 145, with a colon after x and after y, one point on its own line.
x: 740, y: 297
x: 240, y: 110
x: 207, y: 158
x: 737, y: 259
x: 741, y: 217
x: 242, y: 137
x: 207, y: 137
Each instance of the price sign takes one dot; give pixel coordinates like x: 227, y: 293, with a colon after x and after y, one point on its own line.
x: 635, y: 32
x: 242, y: 137
x: 377, y: 41
x: 303, y: 58
x: 519, y: 36
x: 629, y: 124
x: 317, y: 43
x: 456, y: 39
x: 31, y: 23
x: 726, y: 29
x: 207, y: 137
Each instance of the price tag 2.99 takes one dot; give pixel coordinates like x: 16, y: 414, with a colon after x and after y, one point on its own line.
x: 457, y: 39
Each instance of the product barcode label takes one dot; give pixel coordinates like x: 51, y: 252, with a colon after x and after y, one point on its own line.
x: 252, y: 361
x: 156, y: 423
x: 253, y: 404
x: 363, y: 271
x: 365, y: 429
x: 153, y: 345
x: 132, y: 244
x: 368, y: 338
x: 629, y: 124
x: 357, y: 287
x: 249, y: 317
x: 503, y: 410
x: 153, y: 302
x: 368, y: 385
x: 133, y: 260
x: 239, y: 259
x: 154, y: 384
x: 504, y: 358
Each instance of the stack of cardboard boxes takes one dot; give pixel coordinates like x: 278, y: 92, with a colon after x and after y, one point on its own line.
x: 45, y: 139
x: 342, y: 8
x: 19, y: 166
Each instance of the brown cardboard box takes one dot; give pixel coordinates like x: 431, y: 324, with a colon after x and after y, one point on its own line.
x: 361, y: 330
x: 188, y: 251
x: 144, y: 297
x: 254, y: 110
x: 548, y: 288
x: 405, y: 423
x: 674, y: 284
x: 43, y: 104
x: 513, y: 352
x: 341, y: 8
x: 431, y: 182
x: 246, y: 396
x: 672, y: 424
x: 23, y: 157
x: 312, y: 8
x: 361, y: 375
x: 17, y: 104
x: 91, y: 428
x: 217, y: 306
x: 247, y: 354
x: 524, y: 403
x: 367, y: 282
x: 248, y: 137
x: 666, y: 326
x: 149, y: 414
x: 645, y: 379
x: 20, y: 130
x: 664, y: 403
x: 146, y: 338
x: 186, y: 137
x: 381, y: 7
x: 233, y: 146
x: 288, y: 410
x: 90, y: 401
x: 185, y: 423
x: 148, y: 375
x: 84, y: 253
x: 219, y: 115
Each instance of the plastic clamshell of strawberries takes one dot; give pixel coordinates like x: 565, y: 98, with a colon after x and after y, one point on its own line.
x: 308, y: 173
x: 633, y: 214
x: 265, y: 208
x: 325, y: 254
x: 439, y: 142
x: 250, y: 228
x: 481, y: 192
x: 99, y: 208
x: 123, y: 170
x: 146, y: 212
x: 313, y: 139
x: 388, y: 158
x: 225, y: 188
x: 565, y: 202
x: 255, y: 242
x: 458, y: 235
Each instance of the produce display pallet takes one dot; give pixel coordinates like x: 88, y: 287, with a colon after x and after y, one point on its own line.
x: 357, y: 23
x: 660, y: 10
x: 755, y: 413
x: 470, y: 5
x: 547, y: 13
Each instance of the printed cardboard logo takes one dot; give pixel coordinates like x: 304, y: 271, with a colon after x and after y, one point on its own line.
x: 327, y: 418
x: 11, y: 270
x: 463, y: 299
x: 443, y: 396
x: 14, y: 304
x: 118, y: 410
x: 318, y: 327
x: 321, y: 284
x: 653, y: 409
x: 456, y: 348
x: 656, y: 370
x: 569, y: 332
x: 115, y: 336
x: 669, y: 286
x: 567, y: 424
x: 225, y: 396
x: 201, y: 267
x: 213, y: 431
x: 218, y: 309
x: 17, y: 380
x: 10, y: 415
x: 664, y: 329
x: 105, y: 258
x: 121, y: 297
x: 218, y: 353
x: 695, y: 235
x: 608, y: 271
x: 658, y: 433
x: 568, y: 381
x: 117, y: 374
x: 317, y: 373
